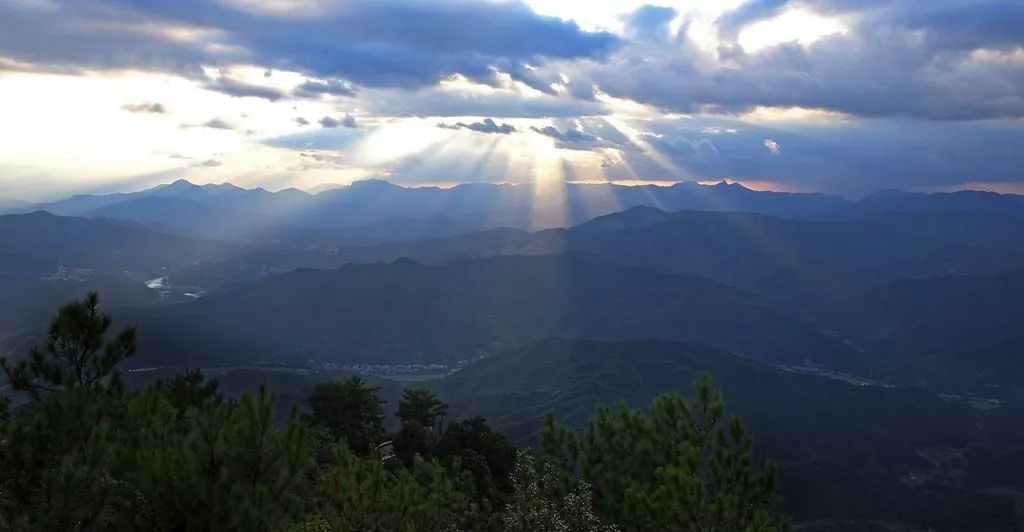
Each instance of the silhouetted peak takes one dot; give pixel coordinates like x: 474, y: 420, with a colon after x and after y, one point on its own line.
x: 178, y: 184
x: 735, y: 185
x: 372, y: 184
x: 226, y: 187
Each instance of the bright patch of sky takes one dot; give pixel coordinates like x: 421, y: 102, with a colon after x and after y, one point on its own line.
x: 97, y: 96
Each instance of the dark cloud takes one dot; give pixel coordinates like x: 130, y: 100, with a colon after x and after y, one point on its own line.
x: 942, y: 60
x: 730, y: 23
x: 488, y: 125
x: 348, y: 121
x: 317, y: 88
x: 301, y: 121
x: 856, y: 159
x: 145, y: 107
x: 369, y: 42
x: 650, y: 22
x: 574, y: 138
x: 241, y: 89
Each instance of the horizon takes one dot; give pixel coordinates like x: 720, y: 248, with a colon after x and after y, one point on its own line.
x: 836, y: 98
x: 20, y: 203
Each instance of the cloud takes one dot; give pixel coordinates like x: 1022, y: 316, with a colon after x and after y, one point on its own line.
x: 217, y: 123
x: 910, y: 94
x: 440, y: 102
x: 680, y: 146
x: 488, y: 125
x: 730, y: 23
x: 348, y: 121
x: 573, y: 138
x: 941, y: 60
x: 375, y: 43
x: 858, y: 158
x: 208, y: 163
x: 241, y: 89
x: 145, y: 107
x: 334, y: 87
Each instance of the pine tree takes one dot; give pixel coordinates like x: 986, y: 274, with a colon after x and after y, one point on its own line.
x: 422, y: 407
x: 361, y: 494
x: 671, y: 467
x: 72, y: 356
x: 5, y: 411
x: 349, y: 410
x: 191, y: 390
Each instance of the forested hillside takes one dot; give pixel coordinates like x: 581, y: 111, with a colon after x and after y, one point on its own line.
x: 86, y: 454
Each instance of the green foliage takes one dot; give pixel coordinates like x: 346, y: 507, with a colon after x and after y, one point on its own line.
x: 82, y: 462
x: 421, y: 406
x: 671, y: 467
x: 539, y: 501
x: 363, y: 495
x: 191, y: 390
x: 488, y: 455
x: 5, y: 409
x: 349, y: 410
x: 175, y: 456
x: 71, y: 356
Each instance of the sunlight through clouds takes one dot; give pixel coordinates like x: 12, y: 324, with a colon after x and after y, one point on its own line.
x: 794, y: 25
x: 93, y: 94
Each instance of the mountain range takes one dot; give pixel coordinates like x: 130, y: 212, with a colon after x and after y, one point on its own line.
x: 875, y: 348
x: 405, y: 312
x: 228, y: 211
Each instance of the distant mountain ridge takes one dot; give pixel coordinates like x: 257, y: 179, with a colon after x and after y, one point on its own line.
x: 229, y: 211
x: 790, y: 262
x: 404, y: 312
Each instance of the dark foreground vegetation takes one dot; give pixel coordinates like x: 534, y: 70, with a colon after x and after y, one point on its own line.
x: 87, y: 454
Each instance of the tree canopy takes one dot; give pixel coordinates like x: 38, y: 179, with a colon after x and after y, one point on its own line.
x: 89, y: 455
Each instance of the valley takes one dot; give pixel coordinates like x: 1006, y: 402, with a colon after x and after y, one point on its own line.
x: 882, y: 349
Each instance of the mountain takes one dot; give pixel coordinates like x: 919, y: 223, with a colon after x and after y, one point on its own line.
x: 795, y: 264
x: 188, y: 217
x: 46, y: 260
x: 228, y: 211
x: 173, y: 207
x: 958, y: 333
x: 964, y: 200
x: 39, y: 241
x: 404, y: 312
x: 202, y: 211
x: 779, y: 258
x: 846, y: 452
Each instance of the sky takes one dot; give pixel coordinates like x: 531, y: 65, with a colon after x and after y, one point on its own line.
x: 837, y: 96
